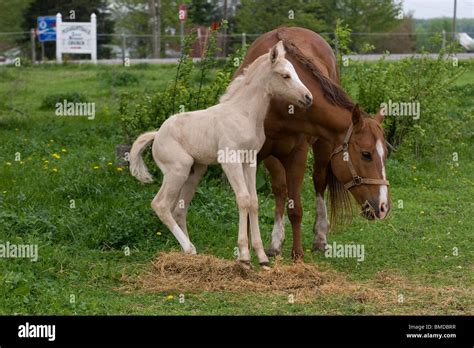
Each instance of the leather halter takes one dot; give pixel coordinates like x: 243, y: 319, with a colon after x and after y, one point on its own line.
x: 356, y: 179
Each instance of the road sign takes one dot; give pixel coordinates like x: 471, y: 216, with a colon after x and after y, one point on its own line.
x: 183, y: 13
x: 47, y: 28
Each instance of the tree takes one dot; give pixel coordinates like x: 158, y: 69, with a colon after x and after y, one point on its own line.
x: 260, y: 16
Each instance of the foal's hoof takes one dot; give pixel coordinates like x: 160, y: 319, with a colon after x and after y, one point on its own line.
x: 265, y: 266
x: 272, y: 252
x: 245, y: 264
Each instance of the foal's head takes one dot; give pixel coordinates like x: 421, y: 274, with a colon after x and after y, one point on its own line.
x: 284, y: 82
x: 360, y: 165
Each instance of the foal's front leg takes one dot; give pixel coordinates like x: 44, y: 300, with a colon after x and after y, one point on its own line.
x: 235, y: 175
x: 250, y: 173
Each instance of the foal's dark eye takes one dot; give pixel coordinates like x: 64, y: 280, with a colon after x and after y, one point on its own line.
x: 366, y: 156
x: 285, y: 76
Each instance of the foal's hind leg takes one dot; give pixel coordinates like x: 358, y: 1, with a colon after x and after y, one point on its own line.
x: 187, y: 194
x: 277, y: 173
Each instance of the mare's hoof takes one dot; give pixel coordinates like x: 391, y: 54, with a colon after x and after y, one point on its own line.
x: 272, y: 252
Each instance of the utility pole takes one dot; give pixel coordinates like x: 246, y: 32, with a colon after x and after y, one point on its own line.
x: 454, y: 21
x: 225, y: 29
x: 155, y: 22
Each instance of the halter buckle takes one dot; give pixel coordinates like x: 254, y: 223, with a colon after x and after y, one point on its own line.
x: 357, y: 180
x: 345, y: 147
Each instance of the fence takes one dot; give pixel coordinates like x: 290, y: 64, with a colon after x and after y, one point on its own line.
x: 120, y: 46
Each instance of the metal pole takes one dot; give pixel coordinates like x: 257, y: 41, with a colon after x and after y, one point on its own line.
x: 123, y: 48
x: 42, y: 51
x: 443, y: 42
x: 182, y: 37
x: 33, y: 50
x: 454, y: 20
x: 244, y: 40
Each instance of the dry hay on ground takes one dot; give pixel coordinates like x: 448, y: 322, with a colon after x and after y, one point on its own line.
x: 176, y: 271
x: 179, y: 272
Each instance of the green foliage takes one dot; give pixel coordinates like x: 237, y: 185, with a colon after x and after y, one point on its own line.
x: 422, y: 80
x: 150, y: 110
x: 258, y: 17
x: 118, y: 78
x: 49, y: 102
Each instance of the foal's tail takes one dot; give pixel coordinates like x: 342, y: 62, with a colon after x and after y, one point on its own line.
x: 137, y: 165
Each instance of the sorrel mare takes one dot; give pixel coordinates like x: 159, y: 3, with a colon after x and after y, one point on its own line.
x: 349, y: 146
x: 187, y: 143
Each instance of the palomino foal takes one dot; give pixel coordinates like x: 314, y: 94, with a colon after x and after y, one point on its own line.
x: 188, y: 142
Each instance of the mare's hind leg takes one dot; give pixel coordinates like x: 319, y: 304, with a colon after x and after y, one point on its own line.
x: 322, y: 153
x: 186, y: 195
x: 277, y: 173
x: 295, y: 165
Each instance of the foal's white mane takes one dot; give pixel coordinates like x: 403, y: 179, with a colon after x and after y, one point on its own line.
x: 251, y: 73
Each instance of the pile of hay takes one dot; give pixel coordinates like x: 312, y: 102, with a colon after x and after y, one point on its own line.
x: 176, y: 271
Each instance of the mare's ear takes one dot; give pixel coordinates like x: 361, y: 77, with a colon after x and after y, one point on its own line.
x: 380, y: 115
x: 356, y: 116
x: 277, y: 51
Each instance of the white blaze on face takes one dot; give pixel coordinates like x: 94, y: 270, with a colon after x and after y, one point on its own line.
x: 383, y: 193
x: 290, y: 69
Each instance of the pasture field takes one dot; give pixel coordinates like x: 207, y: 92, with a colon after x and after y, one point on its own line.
x: 418, y: 261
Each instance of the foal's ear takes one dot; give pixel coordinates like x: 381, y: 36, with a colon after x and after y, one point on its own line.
x: 277, y: 51
x: 356, y: 117
x: 380, y: 115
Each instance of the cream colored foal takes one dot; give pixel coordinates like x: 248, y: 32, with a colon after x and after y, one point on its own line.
x: 230, y: 133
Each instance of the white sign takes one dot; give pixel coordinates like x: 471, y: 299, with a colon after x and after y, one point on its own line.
x: 76, y: 37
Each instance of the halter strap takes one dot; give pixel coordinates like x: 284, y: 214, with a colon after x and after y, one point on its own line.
x: 356, y: 179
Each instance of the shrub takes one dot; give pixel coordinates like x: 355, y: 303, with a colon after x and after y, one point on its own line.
x: 118, y: 78
x: 49, y: 102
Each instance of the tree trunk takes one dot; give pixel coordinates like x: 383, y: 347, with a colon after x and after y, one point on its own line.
x: 155, y: 23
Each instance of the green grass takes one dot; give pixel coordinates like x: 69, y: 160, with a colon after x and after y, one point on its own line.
x: 81, y: 249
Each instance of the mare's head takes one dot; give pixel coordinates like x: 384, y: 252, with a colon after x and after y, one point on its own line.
x: 284, y: 82
x: 359, y: 163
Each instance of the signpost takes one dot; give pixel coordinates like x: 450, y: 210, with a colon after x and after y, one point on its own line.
x: 46, y: 28
x: 46, y: 31
x: 76, y: 37
x: 182, y: 15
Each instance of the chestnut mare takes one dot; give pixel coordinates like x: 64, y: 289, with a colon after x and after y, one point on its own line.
x: 348, y: 145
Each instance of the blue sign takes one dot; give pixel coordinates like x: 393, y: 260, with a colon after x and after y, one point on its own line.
x: 47, y: 28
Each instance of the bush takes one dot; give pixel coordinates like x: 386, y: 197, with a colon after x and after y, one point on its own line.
x: 118, y: 78
x: 49, y: 102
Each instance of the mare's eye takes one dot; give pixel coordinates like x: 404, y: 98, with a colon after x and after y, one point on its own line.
x: 366, y: 156
x: 285, y: 76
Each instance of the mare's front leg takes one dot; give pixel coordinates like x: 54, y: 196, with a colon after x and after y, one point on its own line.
x: 322, y: 155
x: 278, y: 176
x: 250, y: 173
x: 295, y: 165
x: 235, y: 175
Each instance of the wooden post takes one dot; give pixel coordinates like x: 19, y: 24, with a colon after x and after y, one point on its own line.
x: 33, y: 48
